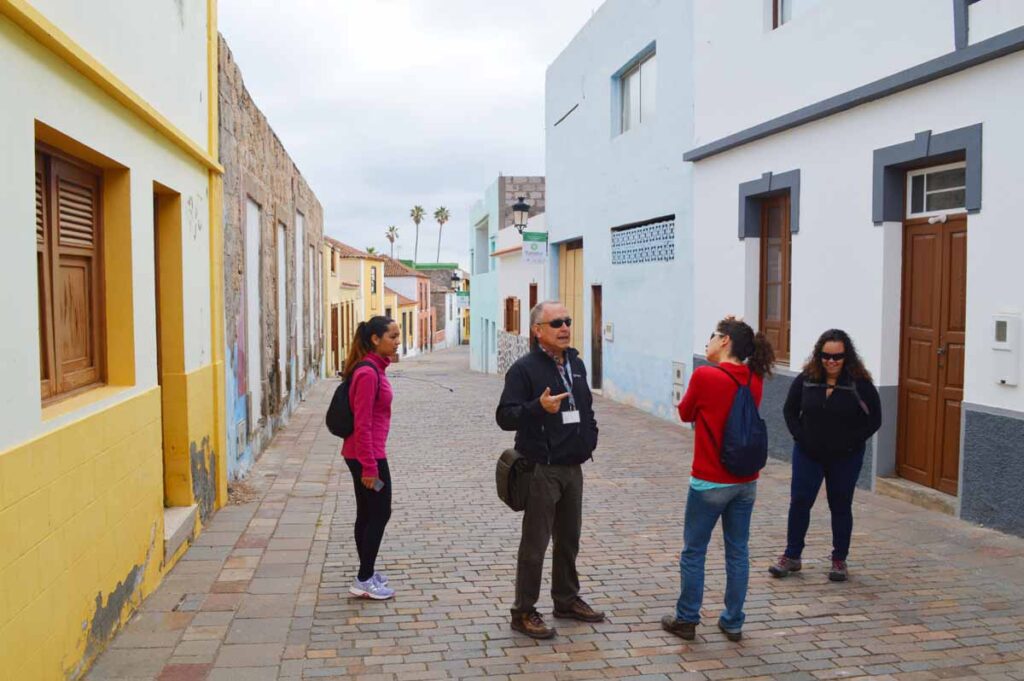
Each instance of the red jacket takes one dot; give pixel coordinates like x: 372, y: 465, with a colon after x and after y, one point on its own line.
x: 706, y: 403
x: 372, y: 410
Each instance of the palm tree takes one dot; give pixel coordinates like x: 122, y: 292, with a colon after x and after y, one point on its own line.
x: 442, y: 216
x: 391, y: 235
x: 417, y: 214
x: 372, y: 250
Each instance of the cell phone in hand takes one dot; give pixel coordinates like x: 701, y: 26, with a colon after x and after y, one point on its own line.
x: 378, y: 485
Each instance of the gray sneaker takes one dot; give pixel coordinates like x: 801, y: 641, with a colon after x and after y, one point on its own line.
x: 371, y: 589
x: 380, y: 578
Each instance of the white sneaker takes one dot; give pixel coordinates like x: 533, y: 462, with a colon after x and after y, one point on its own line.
x: 380, y: 578
x: 371, y: 589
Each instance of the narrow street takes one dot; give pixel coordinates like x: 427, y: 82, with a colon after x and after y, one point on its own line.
x: 263, y: 592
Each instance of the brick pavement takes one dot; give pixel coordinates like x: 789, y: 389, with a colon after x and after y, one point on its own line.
x: 263, y: 593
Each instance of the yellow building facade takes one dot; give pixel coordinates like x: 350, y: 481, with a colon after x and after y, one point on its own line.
x: 111, y: 427
x: 344, y: 304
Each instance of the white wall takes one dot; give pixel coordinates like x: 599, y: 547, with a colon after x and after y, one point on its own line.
x: 404, y: 285
x: 300, y: 232
x: 157, y: 48
x: 992, y: 17
x: 748, y: 73
x: 515, y: 276
x: 253, y: 321
x: 282, y: 308
x: 846, y: 271
x: 51, y: 92
x: 597, y: 180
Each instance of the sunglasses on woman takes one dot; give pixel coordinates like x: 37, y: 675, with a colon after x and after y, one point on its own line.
x: 833, y: 356
x: 557, y: 323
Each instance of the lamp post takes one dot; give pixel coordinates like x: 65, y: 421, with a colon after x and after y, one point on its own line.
x: 520, y: 214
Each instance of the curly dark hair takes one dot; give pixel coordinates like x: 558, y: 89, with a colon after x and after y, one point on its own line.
x: 852, y: 367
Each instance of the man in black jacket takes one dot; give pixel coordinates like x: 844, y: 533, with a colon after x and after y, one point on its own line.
x: 548, y: 403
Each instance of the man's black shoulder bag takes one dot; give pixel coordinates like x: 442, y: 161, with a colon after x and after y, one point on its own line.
x: 512, y: 476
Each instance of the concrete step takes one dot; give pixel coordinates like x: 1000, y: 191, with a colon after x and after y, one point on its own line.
x: 179, y: 525
x: 918, y: 495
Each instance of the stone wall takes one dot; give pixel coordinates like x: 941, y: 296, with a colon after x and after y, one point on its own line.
x: 512, y: 187
x: 257, y: 166
x: 440, y: 284
x: 510, y: 348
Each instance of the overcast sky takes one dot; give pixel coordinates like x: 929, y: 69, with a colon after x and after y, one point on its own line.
x: 385, y: 104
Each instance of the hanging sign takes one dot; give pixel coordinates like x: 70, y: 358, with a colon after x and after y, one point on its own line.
x: 535, y: 247
x: 463, y: 298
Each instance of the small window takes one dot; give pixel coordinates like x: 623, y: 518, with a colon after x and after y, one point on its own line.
x: 637, y: 93
x: 938, y: 190
x: 334, y: 262
x: 373, y: 280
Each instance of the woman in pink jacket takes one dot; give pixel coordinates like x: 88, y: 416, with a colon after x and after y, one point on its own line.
x: 373, y: 346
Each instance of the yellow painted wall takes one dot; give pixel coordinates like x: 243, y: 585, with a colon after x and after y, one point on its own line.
x: 409, y: 330
x: 81, y: 526
x: 374, y: 302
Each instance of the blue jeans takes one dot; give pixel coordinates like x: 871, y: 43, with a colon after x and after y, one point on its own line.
x: 734, y: 505
x: 840, y: 476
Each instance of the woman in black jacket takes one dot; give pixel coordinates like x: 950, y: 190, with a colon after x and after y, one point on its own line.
x: 832, y: 410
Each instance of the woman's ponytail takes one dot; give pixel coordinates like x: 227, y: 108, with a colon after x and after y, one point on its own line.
x: 752, y: 349
x: 362, y: 342
x: 762, y: 359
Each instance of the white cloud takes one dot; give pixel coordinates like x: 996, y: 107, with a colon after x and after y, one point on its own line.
x: 384, y: 104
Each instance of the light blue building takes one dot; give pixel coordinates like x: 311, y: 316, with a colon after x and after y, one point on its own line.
x: 486, y: 218
x: 619, y: 115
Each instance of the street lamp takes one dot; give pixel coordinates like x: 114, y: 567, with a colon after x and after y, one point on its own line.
x: 520, y: 214
x: 456, y: 278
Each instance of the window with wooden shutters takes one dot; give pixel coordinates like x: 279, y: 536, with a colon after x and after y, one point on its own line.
x: 68, y: 242
x: 512, y: 315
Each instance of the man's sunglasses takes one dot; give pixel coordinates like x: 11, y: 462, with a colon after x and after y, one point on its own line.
x: 833, y: 356
x: 557, y: 323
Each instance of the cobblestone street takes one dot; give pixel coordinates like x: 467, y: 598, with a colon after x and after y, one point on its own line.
x: 263, y: 592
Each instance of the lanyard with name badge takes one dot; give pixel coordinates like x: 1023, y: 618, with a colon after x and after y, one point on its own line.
x: 573, y: 415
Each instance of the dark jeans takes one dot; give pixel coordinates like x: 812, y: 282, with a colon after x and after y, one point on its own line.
x: 373, y: 510
x: 840, y: 476
x: 734, y: 505
x: 554, y: 509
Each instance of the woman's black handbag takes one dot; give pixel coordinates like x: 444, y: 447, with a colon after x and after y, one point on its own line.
x: 512, y: 476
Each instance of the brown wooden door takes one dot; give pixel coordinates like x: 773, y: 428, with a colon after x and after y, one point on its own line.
x: 596, y: 340
x: 932, y: 352
x: 776, y: 249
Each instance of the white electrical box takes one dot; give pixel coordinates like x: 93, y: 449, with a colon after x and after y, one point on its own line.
x: 609, y: 332
x: 1006, y: 348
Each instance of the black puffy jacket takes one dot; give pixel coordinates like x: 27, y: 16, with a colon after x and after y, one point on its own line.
x: 834, y: 427
x: 542, y: 437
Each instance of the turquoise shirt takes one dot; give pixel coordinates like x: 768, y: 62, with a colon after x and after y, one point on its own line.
x: 704, y: 485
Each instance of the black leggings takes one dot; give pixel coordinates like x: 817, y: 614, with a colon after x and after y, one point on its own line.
x: 373, y: 510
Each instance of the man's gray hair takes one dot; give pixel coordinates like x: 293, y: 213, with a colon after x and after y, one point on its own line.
x: 538, y: 310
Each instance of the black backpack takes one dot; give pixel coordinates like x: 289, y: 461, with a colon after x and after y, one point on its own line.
x: 340, y: 419
x: 744, y: 448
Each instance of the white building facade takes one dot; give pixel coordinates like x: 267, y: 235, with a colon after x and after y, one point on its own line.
x: 618, y: 120
x: 522, y: 283
x: 848, y: 177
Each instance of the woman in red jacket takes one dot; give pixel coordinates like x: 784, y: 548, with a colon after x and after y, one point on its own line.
x: 373, y: 346
x: 737, y: 357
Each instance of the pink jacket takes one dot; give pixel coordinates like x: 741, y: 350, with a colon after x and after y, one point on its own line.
x: 372, y: 411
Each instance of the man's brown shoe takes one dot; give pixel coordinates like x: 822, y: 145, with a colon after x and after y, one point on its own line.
x: 579, y: 610
x: 684, y: 630
x: 531, y: 624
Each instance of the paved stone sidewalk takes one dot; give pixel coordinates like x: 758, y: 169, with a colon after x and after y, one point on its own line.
x: 263, y: 593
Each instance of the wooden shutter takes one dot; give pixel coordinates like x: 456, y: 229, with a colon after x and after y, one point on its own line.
x: 76, y: 283
x: 515, y: 315
x: 43, y: 279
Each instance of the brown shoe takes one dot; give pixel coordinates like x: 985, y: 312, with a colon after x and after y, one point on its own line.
x: 531, y: 624
x: 684, y: 630
x: 579, y: 610
x: 785, y: 566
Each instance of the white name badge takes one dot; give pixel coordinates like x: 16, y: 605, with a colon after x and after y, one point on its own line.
x: 570, y: 417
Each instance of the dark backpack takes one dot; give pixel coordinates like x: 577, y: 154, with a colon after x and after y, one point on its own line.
x: 340, y: 419
x: 744, y: 448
